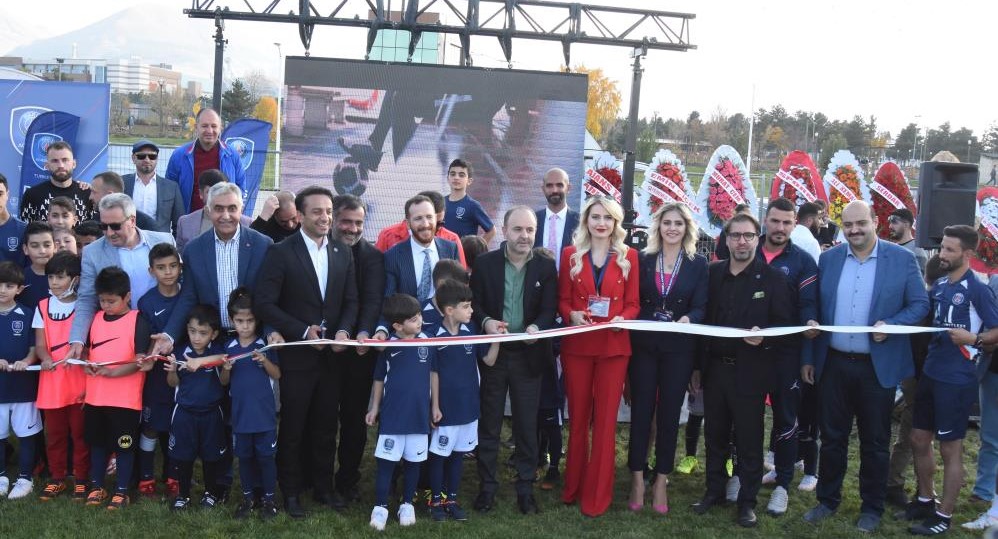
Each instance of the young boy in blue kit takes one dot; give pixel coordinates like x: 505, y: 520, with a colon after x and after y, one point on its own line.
x: 457, y: 371
x: 155, y: 306
x: 444, y: 270
x: 198, y: 428
x: 254, y: 409
x: 465, y: 215
x: 405, y: 396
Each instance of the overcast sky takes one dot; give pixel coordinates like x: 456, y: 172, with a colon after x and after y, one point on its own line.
x: 888, y: 58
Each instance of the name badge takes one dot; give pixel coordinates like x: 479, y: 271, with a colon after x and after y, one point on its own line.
x: 759, y: 295
x: 599, y: 306
x: 663, y: 316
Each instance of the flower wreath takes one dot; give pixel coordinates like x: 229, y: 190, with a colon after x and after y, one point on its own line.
x: 889, y: 191
x: 844, y: 182
x: 724, y: 186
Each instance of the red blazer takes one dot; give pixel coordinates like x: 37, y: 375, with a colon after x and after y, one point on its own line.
x: 625, y: 301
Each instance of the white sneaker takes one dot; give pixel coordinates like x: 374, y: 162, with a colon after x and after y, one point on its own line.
x: 4, y: 485
x: 769, y: 478
x: 770, y: 461
x: 22, y: 487
x: 731, y: 491
x: 379, y: 518
x: 808, y: 483
x: 799, y: 465
x: 983, y: 522
x: 407, y: 514
x: 778, y: 502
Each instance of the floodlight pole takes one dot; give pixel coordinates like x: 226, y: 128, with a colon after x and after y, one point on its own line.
x: 630, y: 141
x: 216, y: 92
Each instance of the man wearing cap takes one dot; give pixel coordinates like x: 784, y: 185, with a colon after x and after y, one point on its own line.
x: 901, y: 222
x: 151, y: 193
x: 206, y: 152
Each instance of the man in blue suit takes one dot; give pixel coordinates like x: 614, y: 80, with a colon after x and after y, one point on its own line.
x: 557, y: 222
x: 409, y: 264
x: 865, y: 282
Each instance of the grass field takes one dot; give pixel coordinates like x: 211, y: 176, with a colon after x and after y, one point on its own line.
x: 150, y: 519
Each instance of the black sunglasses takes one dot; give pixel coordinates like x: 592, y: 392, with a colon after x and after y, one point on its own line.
x: 144, y: 156
x: 113, y: 226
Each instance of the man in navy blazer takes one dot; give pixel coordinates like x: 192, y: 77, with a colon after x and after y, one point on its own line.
x: 865, y: 282
x: 557, y: 213
x: 402, y: 260
x: 169, y: 201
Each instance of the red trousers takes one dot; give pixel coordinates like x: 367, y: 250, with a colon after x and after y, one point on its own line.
x: 60, y: 424
x: 593, y: 386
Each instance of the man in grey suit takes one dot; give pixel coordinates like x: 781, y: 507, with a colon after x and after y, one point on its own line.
x: 152, y: 194
x: 123, y: 245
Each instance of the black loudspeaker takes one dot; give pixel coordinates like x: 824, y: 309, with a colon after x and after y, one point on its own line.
x: 947, y: 194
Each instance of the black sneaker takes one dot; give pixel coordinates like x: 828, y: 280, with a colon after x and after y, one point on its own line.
x: 181, y: 503
x: 917, y: 510
x: 268, y: 510
x: 209, y: 501
x: 934, y: 525
x: 245, y: 508
x: 438, y: 512
x: 455, y: 511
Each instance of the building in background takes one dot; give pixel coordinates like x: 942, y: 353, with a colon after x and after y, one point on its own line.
x: 60, y: 69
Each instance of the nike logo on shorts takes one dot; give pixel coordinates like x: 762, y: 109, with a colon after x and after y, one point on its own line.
x: 420, y: 452
x: 33, y: 425
x: 273, y: 445
x: 222, y: 450
x: 944, y: 433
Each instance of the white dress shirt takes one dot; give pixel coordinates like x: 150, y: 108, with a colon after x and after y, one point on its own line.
x: 320, y: 260
x: 144, y: 196
x: 417, y: 260
x: 227, y: 272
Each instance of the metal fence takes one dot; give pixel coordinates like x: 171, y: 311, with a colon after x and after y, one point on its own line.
x: 119, y: 159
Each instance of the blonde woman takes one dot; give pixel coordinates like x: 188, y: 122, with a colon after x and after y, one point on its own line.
x: 673, y: 288
x: 598, y: 282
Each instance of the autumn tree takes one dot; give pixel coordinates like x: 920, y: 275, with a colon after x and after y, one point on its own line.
x: 266, y: 110
x: 603, y: 101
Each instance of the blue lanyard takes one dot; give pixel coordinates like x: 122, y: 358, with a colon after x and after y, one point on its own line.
x: 665, y: 288
x: 598, y: 276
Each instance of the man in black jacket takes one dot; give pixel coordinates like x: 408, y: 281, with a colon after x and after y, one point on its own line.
x: 744, y: 292
x: 528, y: 305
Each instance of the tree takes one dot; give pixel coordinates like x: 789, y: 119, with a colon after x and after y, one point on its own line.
x: 831, y: 145
x: 906, y: 142
x: 266, y: 110
x: 647, y: 145
x: 990, y: 139
x: 236, y: 102
x: 604, y: 102
x: 258, y: 84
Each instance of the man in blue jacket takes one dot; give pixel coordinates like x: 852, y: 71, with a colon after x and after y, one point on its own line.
x: 864, y: 282
x: 206, y: 152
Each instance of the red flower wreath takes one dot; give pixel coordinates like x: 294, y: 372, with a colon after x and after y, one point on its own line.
x: 720, y: 203
x: 673, y: 173
x: 892, y: 178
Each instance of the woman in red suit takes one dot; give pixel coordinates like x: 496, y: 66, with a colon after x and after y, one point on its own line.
x: 598, y: 282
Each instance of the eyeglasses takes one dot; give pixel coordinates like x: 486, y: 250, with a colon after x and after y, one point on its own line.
x: 146, y: 156
x: 743, y: 236
x: 113, y: 226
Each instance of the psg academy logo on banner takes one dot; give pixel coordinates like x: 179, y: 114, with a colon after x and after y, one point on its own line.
x: 40, y: 143
x: 20, y: 121
x: 244, y: 148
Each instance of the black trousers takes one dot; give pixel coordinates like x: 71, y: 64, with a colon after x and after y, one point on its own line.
x: 786, y: 401
x: 725, y: 405
x: 658, y: 387
x: 355, y: 374
x: 849, y: 389
x: 510, y: 373
x: 308, y: 403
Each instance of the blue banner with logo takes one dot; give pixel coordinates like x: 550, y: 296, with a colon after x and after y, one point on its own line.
x: 46, y: 128
x: 21, y: 102
x: 249, y: 138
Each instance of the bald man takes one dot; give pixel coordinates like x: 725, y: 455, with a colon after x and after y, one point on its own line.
x: 207, y: 151
x: 556, y: 222
x: 278, y: 219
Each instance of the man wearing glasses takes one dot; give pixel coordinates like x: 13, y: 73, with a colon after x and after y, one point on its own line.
x: 107, y: 183
x: 151, y: 193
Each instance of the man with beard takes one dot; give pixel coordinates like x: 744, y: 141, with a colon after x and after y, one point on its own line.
x: 901, y: 222
x: 863, y: 282
x: 557, y: 222
x: 356, y: 365
x: 393, y: 235
x: 514, y: 292
x: 801, y: 272
x: 746, y: 293
x: 60, y: 164
x: 409, y: 264
x: 153, y: 195
x: 947, y: 389
x: 807, y: 216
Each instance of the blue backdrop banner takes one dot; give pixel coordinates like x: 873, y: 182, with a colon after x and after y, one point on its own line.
x: 249, y: 137
x: 47, y: 127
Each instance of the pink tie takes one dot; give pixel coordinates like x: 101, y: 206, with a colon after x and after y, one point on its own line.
x: 552, y: 242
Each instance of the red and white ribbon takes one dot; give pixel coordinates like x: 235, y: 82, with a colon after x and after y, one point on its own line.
x: 841, y: 187
x: 726, y: 185
x: 788, y: 178
x: 677, y: 194
x: 883, y: 191
x: 603, y: 183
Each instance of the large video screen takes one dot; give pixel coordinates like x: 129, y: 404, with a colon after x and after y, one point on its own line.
x: 386, y: 131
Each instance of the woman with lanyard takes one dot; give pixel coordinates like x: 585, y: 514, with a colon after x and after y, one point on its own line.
x: 598, y: 282
x: 673, y: 284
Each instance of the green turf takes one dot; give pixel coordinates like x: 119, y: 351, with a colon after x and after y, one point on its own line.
x: 150, y: 519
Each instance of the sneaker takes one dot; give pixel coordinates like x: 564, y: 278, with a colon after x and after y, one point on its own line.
x: 268, y: 510
x: 769, y: 477
x: 808, y: 483
x: 551, y: 478
x: 917, y: 510
x: 778, y: 501
x: 208, y: 501
x: 407, y: 514
x: 729, y: 466
x: 172, y: 488
x: 769, y: 462
x: 379, y: 517
x: 147, y: 488
x: 455, y: 511
x: 983, y: 522
x: 438, y: 512
x: 52, y: 490
x: 818, y: 513
x: 118, y: 501
x: 80, y: 492
x: 799, y: 465
x: 244, y: 509
x: 22, y: 487
x: 934, y: 525
x: 97, y: 496
x: 4, y: 483
x: 731, y: 491
x: 687, y: 464
x: 180, y: 503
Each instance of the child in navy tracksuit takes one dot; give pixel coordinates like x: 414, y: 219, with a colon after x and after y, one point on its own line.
x: 254, y: 408
x: 404, y: 394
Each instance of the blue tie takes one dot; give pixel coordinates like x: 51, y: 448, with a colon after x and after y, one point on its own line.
x: 424, y: 280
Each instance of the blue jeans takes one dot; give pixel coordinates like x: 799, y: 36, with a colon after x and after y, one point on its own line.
x: 987, y: 457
